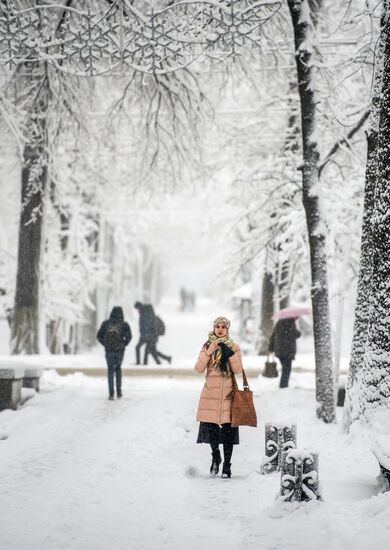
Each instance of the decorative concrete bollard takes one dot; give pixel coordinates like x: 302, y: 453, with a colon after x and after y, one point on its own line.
x: 31, y: 377
x: 299, y: 478
x: 278, y: 440
x: 381, y: 449
x: 11, y: 380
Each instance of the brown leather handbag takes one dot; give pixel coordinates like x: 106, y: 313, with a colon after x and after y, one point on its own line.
x: 243, y: 408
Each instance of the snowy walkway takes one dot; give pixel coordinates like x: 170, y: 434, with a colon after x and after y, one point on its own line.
x: 81, y: 473
x: 78, y: 472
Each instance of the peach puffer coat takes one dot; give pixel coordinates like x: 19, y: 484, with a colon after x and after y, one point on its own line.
x: 214, y: 403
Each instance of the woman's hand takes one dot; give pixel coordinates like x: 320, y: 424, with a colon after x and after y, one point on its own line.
x: 210, y: 350
x: 226, y: 351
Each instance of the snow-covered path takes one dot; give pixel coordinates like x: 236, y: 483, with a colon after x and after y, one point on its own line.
x: 82, y: 473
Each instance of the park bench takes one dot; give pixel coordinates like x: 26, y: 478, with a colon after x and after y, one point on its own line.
x: 31, y: 377
x: 11, y: 381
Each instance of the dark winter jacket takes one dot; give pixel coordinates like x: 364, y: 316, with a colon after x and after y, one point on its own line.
x: 122, y: 328
x: 283, y: 339
x: 147, y: 324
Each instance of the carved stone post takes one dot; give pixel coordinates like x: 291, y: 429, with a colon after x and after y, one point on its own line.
x: 278, y: 440
x: 299, y: 479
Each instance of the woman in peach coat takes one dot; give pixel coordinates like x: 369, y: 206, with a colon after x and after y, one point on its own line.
x: 219, y: 357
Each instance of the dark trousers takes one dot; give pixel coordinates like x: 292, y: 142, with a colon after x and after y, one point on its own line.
x: 114, y: 362
x: 215, y: 436
x: 286, y: 370
x: 138, y: 347
x: 152, y: 349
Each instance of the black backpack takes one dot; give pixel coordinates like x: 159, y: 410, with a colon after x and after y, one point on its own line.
x: 112, y: 337
x: 159, y: 326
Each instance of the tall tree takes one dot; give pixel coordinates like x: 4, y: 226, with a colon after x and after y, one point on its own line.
x: 34, y: 85
x: 25, y: 318
x: 369, y: 377
x: 300, y: 11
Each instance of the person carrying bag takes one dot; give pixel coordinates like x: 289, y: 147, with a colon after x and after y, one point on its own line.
x: 283, y: 343
x: 220, y: 357
x: 243, y: 408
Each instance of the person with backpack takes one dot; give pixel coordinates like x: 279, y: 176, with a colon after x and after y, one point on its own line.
x: 151, y: 347
x: 150, y: 328
x: 114, y: 334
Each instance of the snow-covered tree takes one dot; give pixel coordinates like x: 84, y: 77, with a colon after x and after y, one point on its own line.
x: 369, y: 377
x: 304, y: 46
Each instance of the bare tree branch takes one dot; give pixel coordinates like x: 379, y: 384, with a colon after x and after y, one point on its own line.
x: 343, y: 141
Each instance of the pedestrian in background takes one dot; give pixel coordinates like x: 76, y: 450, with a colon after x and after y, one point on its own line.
x: 150, y: 328
x: 283, y: 343
x: 114, y: 334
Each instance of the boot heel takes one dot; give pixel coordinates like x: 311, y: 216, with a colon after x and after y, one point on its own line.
x: 216, y: 461
x: 226, y: 471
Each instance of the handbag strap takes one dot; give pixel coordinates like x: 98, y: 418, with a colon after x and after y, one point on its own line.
x: 244, y: 378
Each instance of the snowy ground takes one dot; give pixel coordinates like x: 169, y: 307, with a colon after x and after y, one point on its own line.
x: 79, y: 472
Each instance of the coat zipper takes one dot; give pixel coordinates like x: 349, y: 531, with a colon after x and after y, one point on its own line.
x: 220, y: 400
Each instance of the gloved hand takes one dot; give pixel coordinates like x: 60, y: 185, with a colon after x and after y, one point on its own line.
x: 226, y: 351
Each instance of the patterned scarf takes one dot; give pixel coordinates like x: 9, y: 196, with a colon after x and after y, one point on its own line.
x: 217, y: 355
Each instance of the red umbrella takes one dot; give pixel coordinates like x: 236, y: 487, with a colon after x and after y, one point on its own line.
x: 291, y: 312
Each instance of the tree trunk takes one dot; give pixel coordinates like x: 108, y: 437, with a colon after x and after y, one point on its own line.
x: 267, y: 310
x: 88, y: 328
x: 26, y: 318
x: 25, y: 321
x: 55, y: 328
x: 291, y: 147
x: 363, y: 302
x: 372, y: 378
x: 283, y: 273
x: 300, y: 10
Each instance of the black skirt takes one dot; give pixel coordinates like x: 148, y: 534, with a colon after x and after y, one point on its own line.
x: 209, y: 432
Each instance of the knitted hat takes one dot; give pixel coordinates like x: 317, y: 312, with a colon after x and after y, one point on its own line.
x: 223, y: 321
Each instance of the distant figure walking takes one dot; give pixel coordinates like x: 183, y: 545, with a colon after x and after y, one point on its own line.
x: 150, y: 328
x: 187, y: 299
x: 114, y: 334
x: 283, y: 343
x: 183, y: 299
x: 191, y: 298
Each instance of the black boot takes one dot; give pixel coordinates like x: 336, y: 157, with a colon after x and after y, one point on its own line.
x: 216, y: 461
x: 226, y: 472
